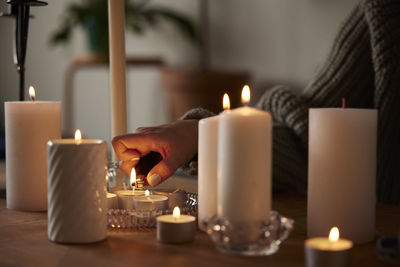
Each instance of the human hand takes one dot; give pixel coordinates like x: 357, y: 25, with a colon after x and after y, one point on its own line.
x: 176, y: 142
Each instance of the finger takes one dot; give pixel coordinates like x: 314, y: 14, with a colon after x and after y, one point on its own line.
x: 162, y: 171
x: 126, y: 166
x: 123, y: 152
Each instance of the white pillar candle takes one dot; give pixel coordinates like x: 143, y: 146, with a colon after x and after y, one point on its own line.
x: 29, y: 125
x: 207, y: 166
x: 328, y: 251
x: 244, y: 163
x: 342, y: 172
x: 77, y: 190
x: 116, y: 22
x: 175, y: 228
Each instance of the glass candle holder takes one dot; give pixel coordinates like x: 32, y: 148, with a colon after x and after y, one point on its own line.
x: 233, y: 238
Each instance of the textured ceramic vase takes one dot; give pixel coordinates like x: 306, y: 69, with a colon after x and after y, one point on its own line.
x: 77, y: 202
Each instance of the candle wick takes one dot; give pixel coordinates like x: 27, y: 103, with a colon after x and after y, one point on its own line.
x: 343, y: 102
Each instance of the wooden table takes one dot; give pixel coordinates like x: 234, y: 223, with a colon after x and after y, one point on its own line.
x: 23, y: 242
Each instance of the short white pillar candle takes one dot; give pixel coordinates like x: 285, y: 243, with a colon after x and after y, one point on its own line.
x: 175, y: 228
x: 77, y: 190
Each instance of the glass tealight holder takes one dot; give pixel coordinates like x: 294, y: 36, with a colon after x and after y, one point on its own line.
x: 234, y: 239
x: 116, y: 177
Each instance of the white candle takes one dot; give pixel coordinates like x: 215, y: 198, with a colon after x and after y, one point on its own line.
x: 116, y: 22
x: 29, y: 125
x: 150, y: 202
x: 125, y: 197
x: 112, y: 202
x: 244, y: 162
x: 77, y: 190
x: 208, y: 166
x: 175, y: 228
x: 342, y: 172
x: 331, y: 251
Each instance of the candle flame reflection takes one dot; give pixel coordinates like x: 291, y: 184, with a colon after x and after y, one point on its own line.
x: 226, y: 104
x: 78, y: 136
x: 176, y: 213
x: 245, y: 94
x: 334, y: 234
x: 32, y: 93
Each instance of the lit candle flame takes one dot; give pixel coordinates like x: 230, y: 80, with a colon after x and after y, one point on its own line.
x: 133, y: 178
x: 245, y: 94
x: 147, y: 193
x: 334, y: 234
x: 32, y: 93
x: 225, y: 102
x: 78, y: 136
x: 176, y: 213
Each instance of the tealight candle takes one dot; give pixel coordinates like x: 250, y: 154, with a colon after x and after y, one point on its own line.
x: 150, y: 202
x: 331, y: 251
x: 125, y: 197
x: 112, y: 202
x: 175, y: 228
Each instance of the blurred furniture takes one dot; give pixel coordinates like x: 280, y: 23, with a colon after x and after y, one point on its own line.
x: 187, y: 89
x: 87, y: 62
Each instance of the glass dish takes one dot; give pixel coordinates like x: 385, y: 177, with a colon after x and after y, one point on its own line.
x: 141, y: 219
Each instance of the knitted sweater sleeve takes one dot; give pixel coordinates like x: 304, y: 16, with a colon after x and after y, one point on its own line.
x: 287, y: 109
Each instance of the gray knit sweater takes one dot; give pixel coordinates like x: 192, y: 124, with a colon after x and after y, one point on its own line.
x: 364, y: 67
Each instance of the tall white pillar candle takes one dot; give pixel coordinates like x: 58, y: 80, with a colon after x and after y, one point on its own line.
x: 244, y: 163
x: 342, y: 172
x: 29, y: 125
x: 207, y: 174
x: 77, y: 190
x: 116, y: 22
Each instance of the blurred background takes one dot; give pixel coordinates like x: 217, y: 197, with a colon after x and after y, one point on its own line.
x: 263, y: 42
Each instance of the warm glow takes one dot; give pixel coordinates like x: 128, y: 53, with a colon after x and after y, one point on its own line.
x: 245, y: 94
x: 147, y: 193
x: 225, y: 102
x: 334, y: 234
x: 32, y: 93
x: 176, y: 213
x: 78, y: 136
x: 133, y: 176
